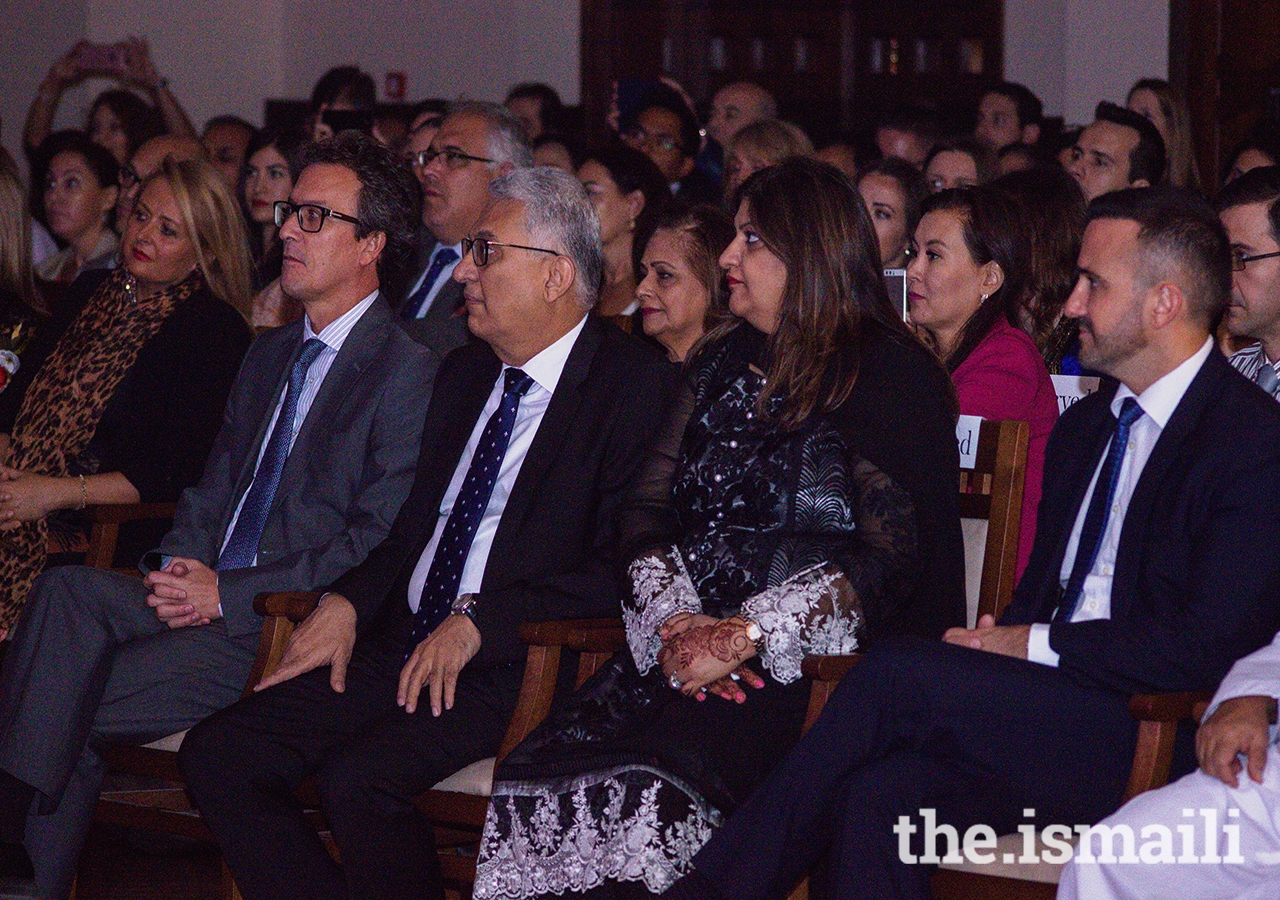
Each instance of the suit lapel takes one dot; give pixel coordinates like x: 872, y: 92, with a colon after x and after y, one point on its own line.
x: 1137, y: 519
x: 556, y: 424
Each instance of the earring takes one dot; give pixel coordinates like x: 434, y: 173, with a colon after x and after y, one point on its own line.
x: 984, y: 297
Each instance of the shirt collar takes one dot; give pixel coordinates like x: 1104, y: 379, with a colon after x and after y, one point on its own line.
x: 1162, y: 397
x: 335, y: 333
x: 546, y: 366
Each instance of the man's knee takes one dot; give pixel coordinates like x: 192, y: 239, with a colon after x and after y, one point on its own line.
x: 211, y: 754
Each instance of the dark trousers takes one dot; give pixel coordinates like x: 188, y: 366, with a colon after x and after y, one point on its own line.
x: 90, y: 664
x: 369, y: 758
x: 923, y: 725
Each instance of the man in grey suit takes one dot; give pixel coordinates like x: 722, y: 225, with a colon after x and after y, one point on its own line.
x: 476, y: 143
x: 316, y: 455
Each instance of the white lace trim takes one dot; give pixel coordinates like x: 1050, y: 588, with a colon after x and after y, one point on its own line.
x: 661, y: 590
x: 540, y: 858
x: 802, y: 616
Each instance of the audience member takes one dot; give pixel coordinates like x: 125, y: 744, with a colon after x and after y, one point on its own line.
x: 1008, y: 113
x: 1155, y: 100
x: 226, y: 140
x: 559, y: 151
x: 843, y: 155
x: 907, y: 133
x: 626, y: 188
x: 80, y: 190
x: 822, y: 402
x: 476, y: 143
x: 1017, y: 158
x: 681, y: 292
x: 892, y: 190
x: 1236, y: 737
x: 537, y: 107
x: 1173, y: 578
x: 667, y: 131
x: 1120, y: 149
x: 511, y: 519
x: 1054, y: 208
x: 1260, y: 148
x: 146, y: 162
x: 342, y: 89
x: 759, y: 145
x: 119, y: 119
x: 955, y: 163
x: 1250, y: 211
x: 101, y: 658
x: 969, y: 268
x: 139, y: 432
x: 268, y: 178
x: 22, y: 308
x: 735, y: 106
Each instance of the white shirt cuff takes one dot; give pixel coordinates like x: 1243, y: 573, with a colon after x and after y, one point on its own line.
x: 1038, y: 649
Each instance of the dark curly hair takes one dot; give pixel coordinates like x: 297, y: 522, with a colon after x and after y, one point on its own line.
x: 390, y: 198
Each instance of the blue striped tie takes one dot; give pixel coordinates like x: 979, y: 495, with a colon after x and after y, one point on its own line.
x: 445, y: 574
x: 242, y: 548
x: 1095, y: 520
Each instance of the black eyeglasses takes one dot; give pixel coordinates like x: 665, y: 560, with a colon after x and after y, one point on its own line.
x: 310, y: 216
x: 1239, y: 259
x: 129, y: 177
x: 453, y: 158
x: 479, y: 249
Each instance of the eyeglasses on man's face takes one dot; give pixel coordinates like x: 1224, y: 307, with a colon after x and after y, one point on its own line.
x: 1239, y: 259
x: 310, y: 216
x: 453, y: 158
x: 479, y: 249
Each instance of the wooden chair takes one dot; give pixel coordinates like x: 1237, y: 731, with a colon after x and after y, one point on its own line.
x: 991, y: 515
x: 99, y: 547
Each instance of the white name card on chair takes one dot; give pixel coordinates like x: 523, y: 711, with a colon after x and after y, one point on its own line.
x: 967, y: 428
x: 1071, y: 388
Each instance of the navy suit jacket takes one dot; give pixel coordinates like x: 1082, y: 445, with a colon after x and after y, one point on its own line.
x: 1197, y: 575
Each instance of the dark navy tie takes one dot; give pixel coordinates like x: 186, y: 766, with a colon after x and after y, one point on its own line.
x: 413, y: 303
x: 1095, y: 520
x: 242, y: 548
x: 445, y: 574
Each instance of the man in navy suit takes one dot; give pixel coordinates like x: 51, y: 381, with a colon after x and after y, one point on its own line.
x: 1154, y: 568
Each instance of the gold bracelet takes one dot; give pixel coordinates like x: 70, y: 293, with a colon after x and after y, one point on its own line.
x: 84, y: 494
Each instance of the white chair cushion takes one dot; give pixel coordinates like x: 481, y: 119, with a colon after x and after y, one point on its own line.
x: 476, y: 779
x: 1007, y: 851
x: 975, y: 552
x: 170, y: 743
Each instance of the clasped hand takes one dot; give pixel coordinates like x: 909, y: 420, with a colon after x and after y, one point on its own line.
x: 1007, y: 640
x: 26, y: 497
x: 185, y: 592
x: 704, y: 655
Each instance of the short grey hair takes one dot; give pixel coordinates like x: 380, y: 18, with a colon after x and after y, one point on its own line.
x: 560, y: 217
x: 507, y: 143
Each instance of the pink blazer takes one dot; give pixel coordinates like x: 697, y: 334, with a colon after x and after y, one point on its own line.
x: 1005, y: 378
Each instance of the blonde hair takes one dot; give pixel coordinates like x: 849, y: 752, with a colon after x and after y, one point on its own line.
x: 216, y: 227
x: 772, y: 141
x: 15, y: 235
x: 1183, y: 170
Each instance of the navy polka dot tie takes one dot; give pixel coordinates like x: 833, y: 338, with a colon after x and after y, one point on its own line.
x: 441, y: 587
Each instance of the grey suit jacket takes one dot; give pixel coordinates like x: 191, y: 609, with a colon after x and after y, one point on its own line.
x: 349, y: 471
x: 440, y: 329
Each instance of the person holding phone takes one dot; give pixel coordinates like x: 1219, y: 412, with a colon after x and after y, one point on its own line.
x: 119, y: 119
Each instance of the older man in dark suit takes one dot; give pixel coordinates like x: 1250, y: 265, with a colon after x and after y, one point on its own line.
x: 531, y: 440
x: 1154, y: 568
x: 313, y: 461
x: 475, y: 143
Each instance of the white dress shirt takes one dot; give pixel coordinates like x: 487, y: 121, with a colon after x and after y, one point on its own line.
x: 1158, y: 402
x: 334, y: 335
x: 545, y: 369
x: 445, y: 274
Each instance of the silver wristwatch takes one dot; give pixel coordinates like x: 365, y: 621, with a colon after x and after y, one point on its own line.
x: 465, y: 605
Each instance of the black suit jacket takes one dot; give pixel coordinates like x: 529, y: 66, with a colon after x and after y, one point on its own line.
x: 552, y: 555
x: 1197, y: 576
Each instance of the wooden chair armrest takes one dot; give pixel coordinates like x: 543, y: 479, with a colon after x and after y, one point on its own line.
x: 581, y: 635
x: 828, y: 668
x: 292, y: 605
x: 119, y: 513
x: 1169, y: 707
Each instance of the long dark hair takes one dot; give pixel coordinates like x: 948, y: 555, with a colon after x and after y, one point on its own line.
x: 812, y: 218
x: 995, y: 230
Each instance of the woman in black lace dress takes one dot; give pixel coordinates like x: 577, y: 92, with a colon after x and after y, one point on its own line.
x: 801, y: 499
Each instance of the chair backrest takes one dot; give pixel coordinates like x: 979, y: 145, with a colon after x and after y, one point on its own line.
x: 991, y: 514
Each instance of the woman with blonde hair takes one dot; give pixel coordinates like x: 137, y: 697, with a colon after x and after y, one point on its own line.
x: 1154, y: 99
x: 21, y: 306
x: 762, y: 144
x: 125, y: 388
